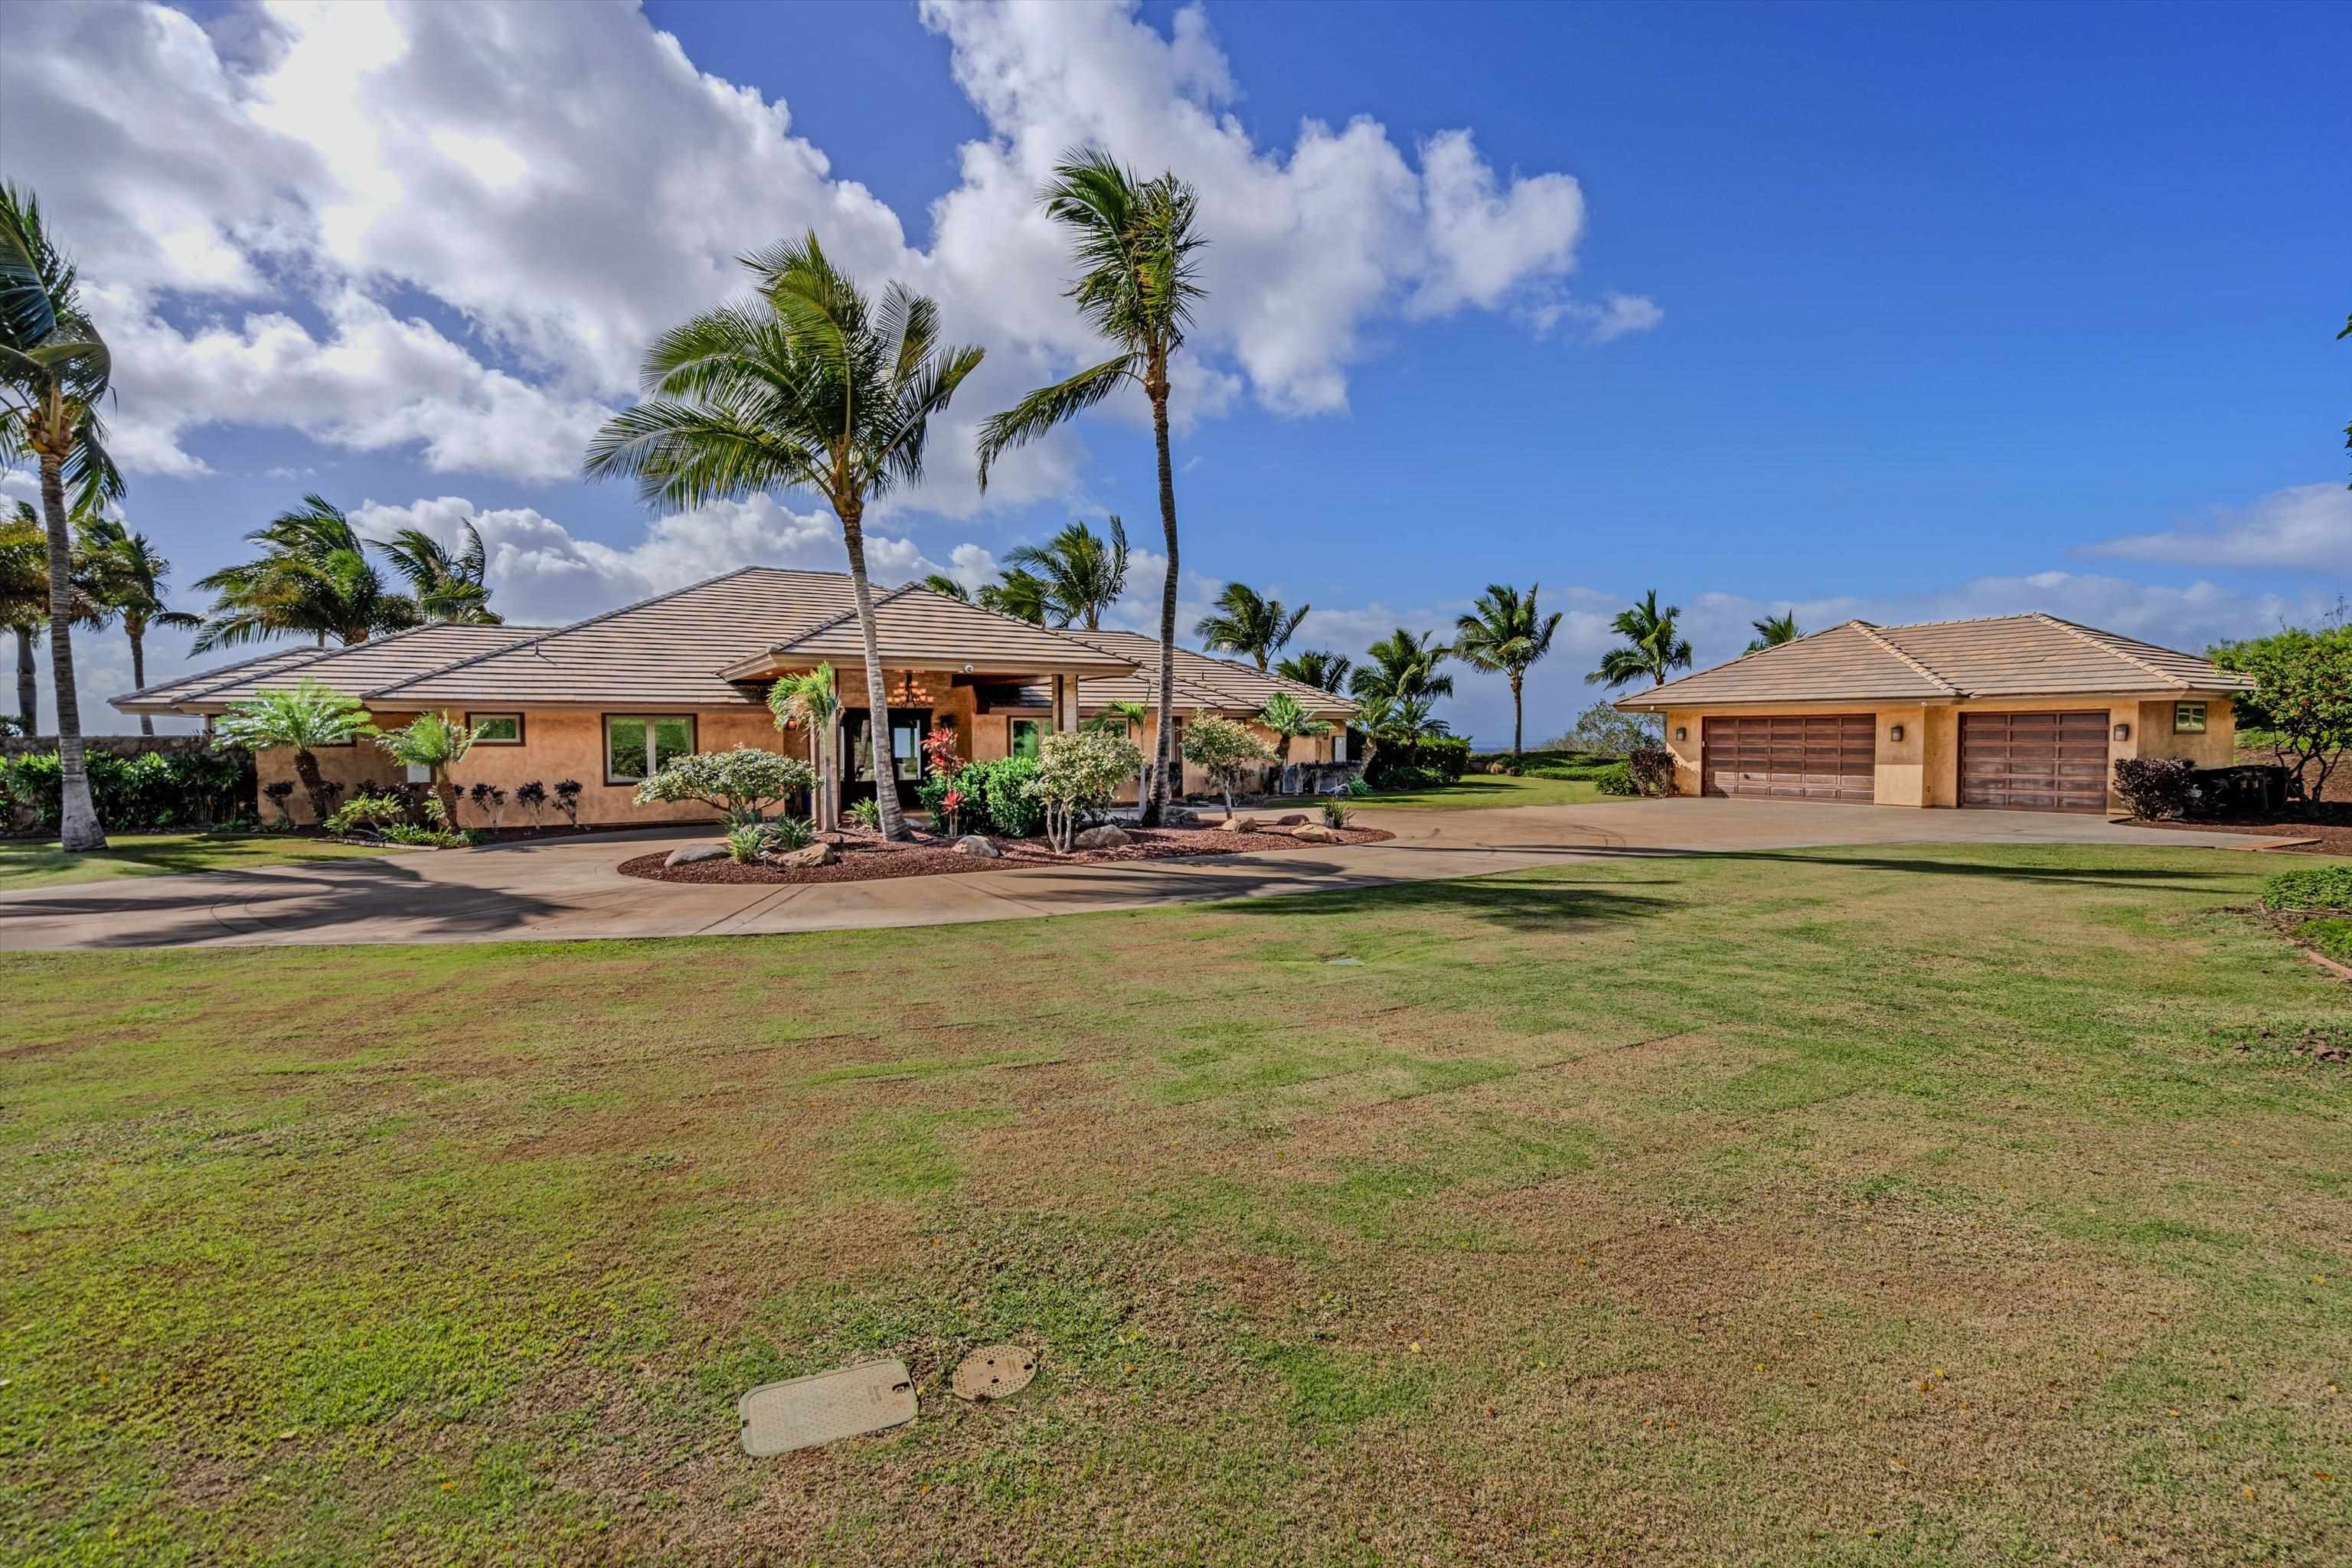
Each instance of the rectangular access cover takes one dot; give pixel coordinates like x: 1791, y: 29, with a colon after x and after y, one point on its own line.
x: 803, y: 1412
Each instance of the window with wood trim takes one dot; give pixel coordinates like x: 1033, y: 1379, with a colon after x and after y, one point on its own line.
x: 639, y: 745
x: 496, y: 729
x: 2189, y: 717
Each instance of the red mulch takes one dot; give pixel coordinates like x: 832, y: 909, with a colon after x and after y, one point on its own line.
x: 864, y: 858
x: 2331, y: 826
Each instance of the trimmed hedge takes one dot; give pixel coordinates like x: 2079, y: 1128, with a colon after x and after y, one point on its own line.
x: 1435, y: 759
x: 995, y: 800
x: 152, y: 791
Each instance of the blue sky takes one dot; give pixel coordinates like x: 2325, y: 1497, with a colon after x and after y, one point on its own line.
x: 1935, y: 311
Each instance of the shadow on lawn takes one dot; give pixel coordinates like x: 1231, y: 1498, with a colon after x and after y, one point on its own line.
x: 1514, y: 905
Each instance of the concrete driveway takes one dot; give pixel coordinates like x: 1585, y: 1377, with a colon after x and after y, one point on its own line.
x: 568, y: 888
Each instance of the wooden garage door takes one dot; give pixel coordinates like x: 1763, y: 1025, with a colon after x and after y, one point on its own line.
x: 1791, y: 756
x: 2034, y: 761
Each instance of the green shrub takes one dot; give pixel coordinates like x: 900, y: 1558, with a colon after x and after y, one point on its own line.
x: 745, y: 844
x: 1335, y: 813
x: 152, y: 791
x: 866, y: 814
x: 1616, y: 778
x: 369, y: 814
x: 1652, y: 769
x: 999, y: 791
x: 2333, y: 938
x: 2320, y: 888
x: 1358, y: 789
x: 2155, y: 788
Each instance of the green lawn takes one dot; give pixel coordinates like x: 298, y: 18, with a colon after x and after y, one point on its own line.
x: 30, y: 863
x: 1922, y: 1205
x: 1492, y: 789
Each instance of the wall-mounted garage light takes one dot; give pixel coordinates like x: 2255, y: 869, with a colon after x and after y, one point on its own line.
x: 2123, y: 731
x: 1682, y: 731
x: 1894, y: 732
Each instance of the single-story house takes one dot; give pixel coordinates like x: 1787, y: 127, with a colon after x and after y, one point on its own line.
x: 608, y: 699
x: 2028, y: 712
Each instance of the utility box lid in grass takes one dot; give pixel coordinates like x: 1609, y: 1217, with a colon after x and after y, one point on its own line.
x: 803, y: 1412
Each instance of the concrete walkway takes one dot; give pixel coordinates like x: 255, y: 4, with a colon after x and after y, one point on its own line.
x: 568, y: 888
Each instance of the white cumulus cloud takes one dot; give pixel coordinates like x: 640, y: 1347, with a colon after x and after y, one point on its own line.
x: 2302, y: 526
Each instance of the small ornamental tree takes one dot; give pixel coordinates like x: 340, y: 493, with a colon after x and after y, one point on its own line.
x: 1077, y: 774
x: 740, y: 784
x: 437, y: 743
x: 2301, y: 707
x: 1225, y: 751
x: 304, y: 720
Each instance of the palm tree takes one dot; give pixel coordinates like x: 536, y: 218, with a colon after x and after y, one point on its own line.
x: 807, y: 385
x: 1284, y: 716
x: 1384, y: 716
x: 448, y: 585
x: 25, y: 601
x: 1018, y: 593
x: 941, y: 583
x: 126, y: 580
x: 1404, y: 666
x: 1774, y: 630
x: 1245, y: 623
x: 306, y: 718
x: 1505, y: 632
x: 1082, y: 574
x: 1323, y: 670
x: 1652, y: 647
x: 55, y: 372
x: 436, y: 743
x: 311, y: 579
x: 1120, y: 721
x: 1134, y: 244
x: 812, y: 699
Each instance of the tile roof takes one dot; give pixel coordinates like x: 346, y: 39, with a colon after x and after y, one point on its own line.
x: 2030, y: 655
x: 361, y: 669
x: 920, y: 628
x: 1223, y: 683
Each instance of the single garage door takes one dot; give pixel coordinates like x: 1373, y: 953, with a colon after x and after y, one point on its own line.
x: 1791, y: 756
x: 2034, y: 761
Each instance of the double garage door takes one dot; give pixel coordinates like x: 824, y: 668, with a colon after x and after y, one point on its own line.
x: 2034, y: 761
x: 1791, y: 756
x: 2011, y: 762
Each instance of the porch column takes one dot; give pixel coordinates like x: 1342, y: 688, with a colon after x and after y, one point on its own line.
x: 1066, y: 704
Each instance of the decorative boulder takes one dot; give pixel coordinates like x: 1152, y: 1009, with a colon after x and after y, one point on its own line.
x: 1315, y: 833
x: 974, y: 845
x: 687, y: 854
x: 1103, y: 838
x: 1243, y: 825
x: 1290, y: 819
x: 813, y: 855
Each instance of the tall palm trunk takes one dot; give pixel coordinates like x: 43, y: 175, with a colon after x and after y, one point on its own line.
x: 1149, y: 811
x: 28, y: 685
x: 136, y: 628
x: 1517, y: 717
x: 77, y: 827
x: 306, y: 768
x: 877, y: 692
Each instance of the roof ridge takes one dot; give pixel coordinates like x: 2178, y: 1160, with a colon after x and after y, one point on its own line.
x: 153, y: 686
x: 2083, y: 635
x: 1871, y: 632
x: 575, y: 626
x: 848, y: 615
x: 1196, y: 687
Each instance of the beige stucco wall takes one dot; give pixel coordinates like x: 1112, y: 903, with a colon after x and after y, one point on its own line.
x: 1923, y: 768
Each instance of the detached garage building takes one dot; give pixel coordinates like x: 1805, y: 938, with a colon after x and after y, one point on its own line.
x: 2018, y: 712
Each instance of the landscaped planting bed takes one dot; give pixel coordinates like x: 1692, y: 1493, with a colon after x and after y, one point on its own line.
x: 865, y: 857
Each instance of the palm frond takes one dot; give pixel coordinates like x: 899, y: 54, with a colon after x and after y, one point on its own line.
x: 1049, y: 406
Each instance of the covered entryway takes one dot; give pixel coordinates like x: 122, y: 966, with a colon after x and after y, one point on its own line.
x: 1791, y: 756
x: 2034, y: 761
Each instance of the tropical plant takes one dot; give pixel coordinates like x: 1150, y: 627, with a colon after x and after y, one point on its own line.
x: 436, y: 743
x: 1288, y: 720
x: 1324, y: 670
x: 1774, y: 630
x: 1245, y: 623
x: 1337, y: 813
x: 567, y: 800
x: 1223, y: 749
x: 811, y: 700
x: 491, y: 801
x: 790, y: 833
x: 1078, y: 772
x: 1082, y: 574
x: 1403, y: 667
x: 1134, y: 244
x: 1018, y: 593
x: 810, y: 386
x: 148, y: 791
x: 1506, y: 633
x: 1123, y: 720
x: 1394, y: 721
x: 998, y: 791
x: 55, y: 372
x: 124, y: 576
x: 2301, y: 707
x: 368, y: 811
x: 313, y: 578
x: 941, y: 583
x: 532, y: 796
x: 746, y: 843
x: 1653, y: 645
x: 305, y: 718
x: 446, y: 584
x: 24, y: 603
x: 866, y: 812
x: 741, y: 785
x: 277, y: 792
